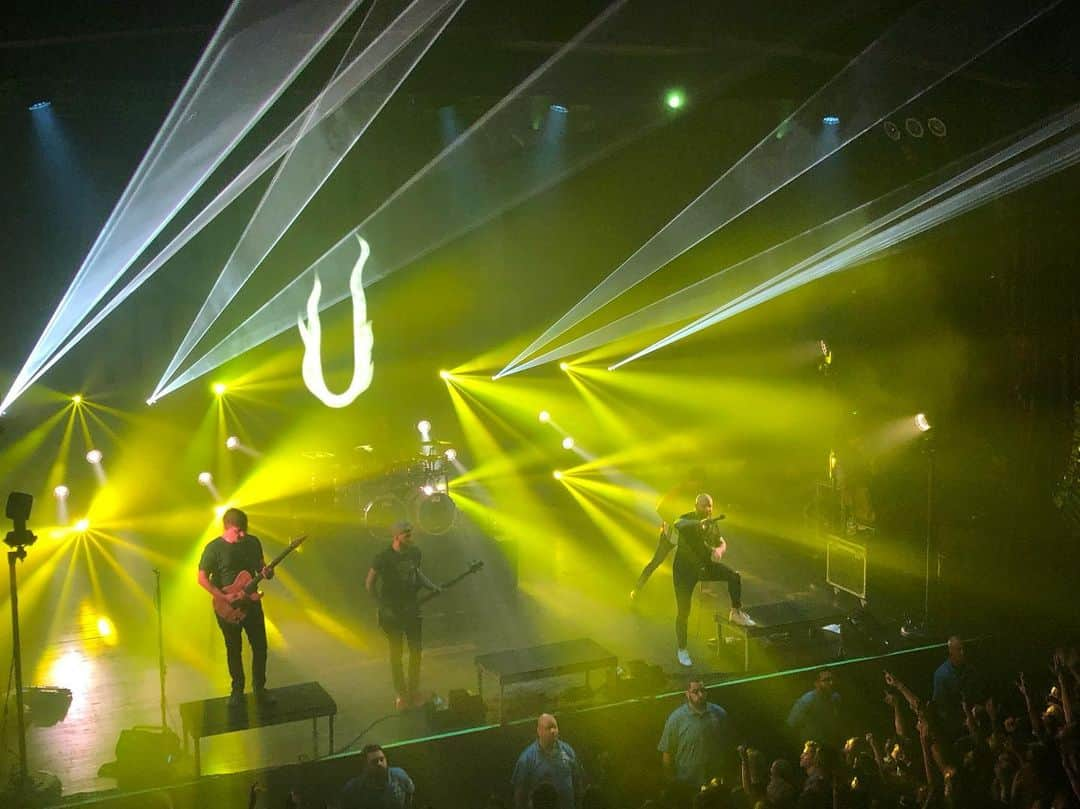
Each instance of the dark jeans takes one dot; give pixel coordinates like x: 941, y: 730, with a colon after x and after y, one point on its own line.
x: 686, y: 572
x: 663, y: 548
x: 404, y: 629
x: 254, y: 624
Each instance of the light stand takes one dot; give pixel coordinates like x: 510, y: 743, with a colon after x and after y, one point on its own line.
x: 922, y: 629
x: 929, y: 452
x: 161, y: 645
x: 42, y: 787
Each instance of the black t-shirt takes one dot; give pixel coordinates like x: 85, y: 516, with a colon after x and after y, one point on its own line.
x: 695, y: 541
x: 223, y: 560
x: 399, y: 576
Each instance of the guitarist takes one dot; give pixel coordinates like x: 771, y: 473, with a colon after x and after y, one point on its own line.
x: 395, y: 579
x: 222, y: 559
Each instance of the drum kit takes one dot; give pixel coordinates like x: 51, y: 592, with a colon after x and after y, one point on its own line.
x: 414, y: 489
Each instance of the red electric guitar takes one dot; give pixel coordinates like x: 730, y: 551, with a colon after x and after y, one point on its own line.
x: 248, y: 586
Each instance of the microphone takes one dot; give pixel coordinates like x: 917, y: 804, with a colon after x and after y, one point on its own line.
x: 717, y: 518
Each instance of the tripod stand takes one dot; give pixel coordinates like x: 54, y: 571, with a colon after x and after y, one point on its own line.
x: 25, y: 789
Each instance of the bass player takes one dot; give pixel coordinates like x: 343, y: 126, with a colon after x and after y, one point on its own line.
x: 395, y: 579
x: 222, y: 560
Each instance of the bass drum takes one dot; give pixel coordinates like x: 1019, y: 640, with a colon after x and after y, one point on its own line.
x: 380, y: 514
x: 435, y: 513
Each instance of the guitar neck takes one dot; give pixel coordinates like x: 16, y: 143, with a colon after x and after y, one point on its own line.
x: 258, y: 577
x: 448, y: 584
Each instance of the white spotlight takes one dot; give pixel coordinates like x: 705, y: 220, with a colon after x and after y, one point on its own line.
x: 544, y: 417
x: 205, y: 478
x: 232, y: 442
x: 424, y: 427
x: 568, y: 443
x: 428, y: 489
x: 450, y: 454
x: 94, y: 456
x: 922, y: 422
x: 61, y: 491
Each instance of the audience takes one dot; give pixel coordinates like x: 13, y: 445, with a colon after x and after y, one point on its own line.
x: 816, y: 714
x: 378, y: 786
x: 960, y: 749
x: 696, y: 736
x: 547, y: 761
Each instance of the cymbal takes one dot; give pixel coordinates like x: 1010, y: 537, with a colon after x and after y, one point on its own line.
x: 436, y: 443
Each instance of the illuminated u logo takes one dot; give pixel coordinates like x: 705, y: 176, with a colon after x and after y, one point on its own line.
x: 363, y: 340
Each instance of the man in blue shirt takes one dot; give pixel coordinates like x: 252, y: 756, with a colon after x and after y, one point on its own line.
x: 379, y: 786
x: 816, y: 714
x: 954, y: 682
x: 548, y: 760
x: 696, y: 738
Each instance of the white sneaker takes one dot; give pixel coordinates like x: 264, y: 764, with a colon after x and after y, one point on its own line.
x: 684, y: 658
x: 741, y: 618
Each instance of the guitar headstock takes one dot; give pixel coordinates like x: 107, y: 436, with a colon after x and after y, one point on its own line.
x: 296, y: 543
x: 476, y: 566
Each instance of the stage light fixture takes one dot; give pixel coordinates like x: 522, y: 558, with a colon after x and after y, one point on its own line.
x: 922, y: 422
x: 557, y: 475
x: 444, y: 375
x: 675, y: 99
x: 82, y: 526
x: 205, y: 478
x: 428, y: 489
x: 219, y: 511
x: 94, y: 456
x: 568, y: 443
x: 559, y: 108
x: 564, y: 366
x: 831, y: 120
x: 61, y: 491
x: 39, y: 105
x: 450, y: 454
x: 219, y: 388
x: 76, y: 399
x: 544, y: 417
x: 232, y: 442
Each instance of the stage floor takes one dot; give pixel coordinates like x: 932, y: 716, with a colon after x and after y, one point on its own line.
x: 119, y: 688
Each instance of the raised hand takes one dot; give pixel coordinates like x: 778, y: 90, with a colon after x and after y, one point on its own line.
x: 1021, y: 685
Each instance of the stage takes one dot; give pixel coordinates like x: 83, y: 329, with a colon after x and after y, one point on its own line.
x: 115, y: 685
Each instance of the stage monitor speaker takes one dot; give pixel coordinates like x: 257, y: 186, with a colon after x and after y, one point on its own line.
x: 146, y: 756
x: 863, y: 634
x: 464, y: 709
x: 845, y: 566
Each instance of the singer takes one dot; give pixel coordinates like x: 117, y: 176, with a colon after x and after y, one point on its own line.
x: 700, y: 549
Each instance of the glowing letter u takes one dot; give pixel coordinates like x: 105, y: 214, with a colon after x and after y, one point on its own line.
x: 363, y: 340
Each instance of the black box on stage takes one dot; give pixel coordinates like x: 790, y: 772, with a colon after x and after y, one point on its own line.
x: 463, y: 709
x: 145, y: 756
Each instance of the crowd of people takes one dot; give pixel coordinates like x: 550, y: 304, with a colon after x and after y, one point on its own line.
x: 956, y: 747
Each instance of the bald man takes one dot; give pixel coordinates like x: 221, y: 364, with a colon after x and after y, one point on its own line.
x: 548, y: 760
x: 955, y: 683
x: 700, y: 549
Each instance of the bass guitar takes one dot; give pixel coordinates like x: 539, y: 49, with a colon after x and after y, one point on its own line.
x: 391, y: 619
x: 248, y: 587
